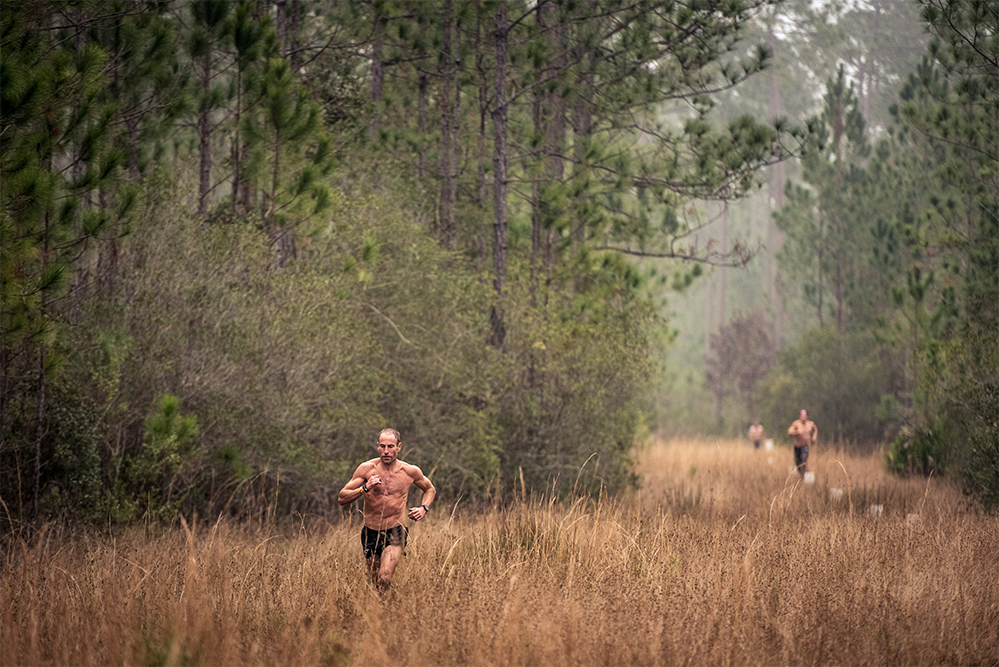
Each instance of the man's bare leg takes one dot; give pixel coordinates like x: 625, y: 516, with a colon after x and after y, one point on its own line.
x: 374, y: 565
x: 389, y: 561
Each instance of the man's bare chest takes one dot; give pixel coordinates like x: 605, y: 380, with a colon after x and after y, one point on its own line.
x: 394, y: 483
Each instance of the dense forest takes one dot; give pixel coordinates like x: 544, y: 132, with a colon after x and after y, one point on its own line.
x: 241, y: 237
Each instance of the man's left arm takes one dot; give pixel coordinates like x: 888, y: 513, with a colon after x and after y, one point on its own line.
x: 815, y: 433
x: 424, y: 484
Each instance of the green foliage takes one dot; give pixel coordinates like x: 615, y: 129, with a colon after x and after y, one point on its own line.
x: 75, y: 475
x: 950, y: 112
x: 977, y: 447
x: 71, y: 464
x: 151, y: 474
x: 839, y: 378
x: 579, y: 367
x: 921, y: 450
x: 824, y: 230
x: 168, y: 436
x: 58, y: 156
x: 289, y: 152
x: 288, y: 368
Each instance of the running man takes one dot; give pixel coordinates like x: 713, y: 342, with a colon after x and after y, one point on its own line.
x: 805, y: 433
x: 756, y: 433
x: 384, y: 482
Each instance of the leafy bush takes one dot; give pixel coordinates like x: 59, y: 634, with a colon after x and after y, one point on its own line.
x: 919, y: 450
x: 290, y: 372
x: 975, y: 448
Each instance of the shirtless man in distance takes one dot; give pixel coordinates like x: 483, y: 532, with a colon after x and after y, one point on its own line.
x: 385, y: 482
x: 805, y: 433
x: 756, y: 433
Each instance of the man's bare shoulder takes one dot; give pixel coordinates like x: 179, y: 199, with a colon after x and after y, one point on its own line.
x: 413, y: 471
x: 366, y: 467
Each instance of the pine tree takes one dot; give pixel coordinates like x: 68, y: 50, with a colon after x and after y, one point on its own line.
x: 820, y: 223
x: 290, y: 156
x: 56, y: 146
x: 211, y: 27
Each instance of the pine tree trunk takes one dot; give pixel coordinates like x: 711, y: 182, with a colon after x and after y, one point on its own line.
x: 556, y: 134
x: 535, y: 205
x: 722, y: 272
x: 237, y: 147
x: 39, y: 432
x: 281, y: 25
x: 838, y: 277
x: 377, y: 73
x: 292, y: 40
x: 204, y: 137
x: 709, y: 313
x: 421, y: 124
x: 482, y: 191
x: 820, y: 253
x: 446, y: 202
x: 499, y: 179
x: 774, y: 237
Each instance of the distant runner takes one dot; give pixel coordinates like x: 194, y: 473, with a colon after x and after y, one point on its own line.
x: 804, y: 433
x: 385, y: 482
x: 756, y: 433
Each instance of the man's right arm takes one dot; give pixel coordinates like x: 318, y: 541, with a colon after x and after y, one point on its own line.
x: 353, y: 489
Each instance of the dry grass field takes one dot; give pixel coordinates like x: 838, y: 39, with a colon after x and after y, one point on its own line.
x: 723, y: 558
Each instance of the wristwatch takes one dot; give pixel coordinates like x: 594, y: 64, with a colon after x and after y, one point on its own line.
x: 425, y: 508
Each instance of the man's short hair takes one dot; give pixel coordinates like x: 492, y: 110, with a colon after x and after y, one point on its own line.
x: 392, y: 432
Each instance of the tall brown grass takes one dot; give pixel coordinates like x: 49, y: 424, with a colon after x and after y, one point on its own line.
x: 722, y: 558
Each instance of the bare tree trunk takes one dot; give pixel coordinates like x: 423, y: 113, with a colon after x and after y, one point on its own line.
x: 537, y: 114
x: 377, y: 72
x: 722, y: 271
x: 40, y: 408
x: 292, y: 40
x: 774, y: 236
x: 556, y: 132
x: 483, y: 101
x: 204, y: 137
x: 237, y: 146
x: 455, y: 123
x: 39, y: 431
x: 280, y: 25
x: 819, y: 253
x: 421, y: 124
x: 133, y: 149
x: 582, y: 128
x: 4, y: 389
x: 499, y: 178
x: 446, y: 205
x: 709, y: 312
x: 838, y: 292
x: 279, y: 235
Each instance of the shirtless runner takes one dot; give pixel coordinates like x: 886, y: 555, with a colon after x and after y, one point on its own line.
x: 805, y: 433
x: 385, y: 482
x: 756, y: 433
